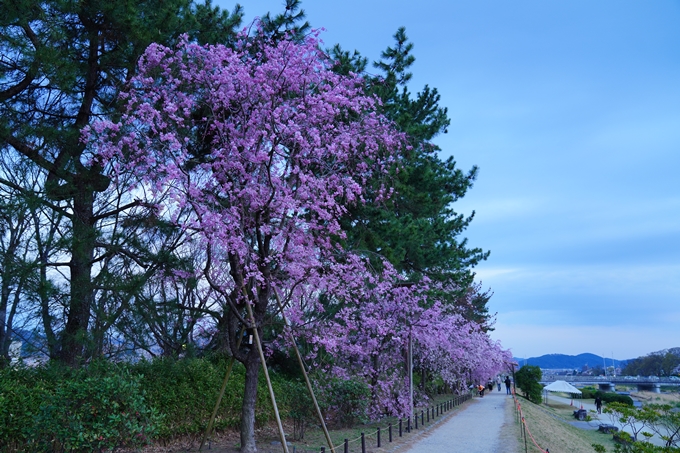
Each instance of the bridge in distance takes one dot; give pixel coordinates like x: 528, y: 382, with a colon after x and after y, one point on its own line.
x: 608, y: 383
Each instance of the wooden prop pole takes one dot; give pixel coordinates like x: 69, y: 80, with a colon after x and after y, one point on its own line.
x: 208, y: 430
x: 304, y: 372
x: 282, y: 435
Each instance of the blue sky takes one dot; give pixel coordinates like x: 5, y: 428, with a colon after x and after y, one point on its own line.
x: 571, y: 109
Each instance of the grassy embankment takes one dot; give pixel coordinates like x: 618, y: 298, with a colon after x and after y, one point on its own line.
x: 549, y: 426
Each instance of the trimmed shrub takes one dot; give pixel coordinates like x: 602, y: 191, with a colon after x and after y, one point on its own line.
x: 105, y: 405
x: 589, y: 392
x: 21, y: 394
x: 57, y: 409
x: 185, y: 391
x: 616, y: 398
x: 345, y: 401
x: 95, y: 413
x: 300, y: 406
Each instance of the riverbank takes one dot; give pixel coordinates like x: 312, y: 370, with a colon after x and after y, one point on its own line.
x: 560, y: 407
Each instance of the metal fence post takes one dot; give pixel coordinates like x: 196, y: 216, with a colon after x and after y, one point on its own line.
x: 389, y: 429
x: 378, y: 433
x: 346, y: 446
x: 363, y: 443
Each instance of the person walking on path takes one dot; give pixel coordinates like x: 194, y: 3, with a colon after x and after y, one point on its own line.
x: 477, y: 428
x: 498, y: 381
x: 598, y: 404
x: 507, y: 385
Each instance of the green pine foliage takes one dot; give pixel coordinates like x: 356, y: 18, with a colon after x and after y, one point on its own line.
x: 417, y: 229
x: 63, y: 64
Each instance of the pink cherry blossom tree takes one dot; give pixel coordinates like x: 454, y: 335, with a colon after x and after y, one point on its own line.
x: 266, y: 147
x: 376, y: 318
x: 256, y: 152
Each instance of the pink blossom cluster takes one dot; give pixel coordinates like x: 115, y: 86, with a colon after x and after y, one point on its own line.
x: 375, y: 315
x: 266, y: 147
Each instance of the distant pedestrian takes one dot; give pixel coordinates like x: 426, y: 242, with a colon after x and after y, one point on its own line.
x: 498, y: 381
x: 507, y: 385
x: 489, y: 385
x: 481, y: 389
x: 598, y: 404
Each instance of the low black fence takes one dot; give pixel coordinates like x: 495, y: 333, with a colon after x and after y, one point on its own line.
x: 383, y: 435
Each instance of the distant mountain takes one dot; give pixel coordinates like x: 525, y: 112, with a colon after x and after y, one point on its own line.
x: 562, y: 361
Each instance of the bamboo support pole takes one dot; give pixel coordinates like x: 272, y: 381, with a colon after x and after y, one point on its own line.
x: 208, y: 430
x: 304, y: 373
x: 282, y: 435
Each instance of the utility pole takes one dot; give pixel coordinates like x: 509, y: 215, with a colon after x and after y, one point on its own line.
x: 410, y: 374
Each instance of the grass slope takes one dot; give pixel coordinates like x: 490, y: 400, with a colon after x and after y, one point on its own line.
x: 549, y: 427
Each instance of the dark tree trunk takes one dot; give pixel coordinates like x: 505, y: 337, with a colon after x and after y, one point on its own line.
x: 74, y: 336
x: 252, y: 365
x: 4, y: 302
x: 11, y: 276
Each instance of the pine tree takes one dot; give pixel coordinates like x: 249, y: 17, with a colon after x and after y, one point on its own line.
x: 417, y: 229
x: 63, y: 65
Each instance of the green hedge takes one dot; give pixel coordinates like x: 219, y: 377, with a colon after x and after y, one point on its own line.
x: 607, y: 397
x: 185, y: 392
x: 59, y: 409
x: 616, y: 398
x: 105, y: 405
x: 589, y: 392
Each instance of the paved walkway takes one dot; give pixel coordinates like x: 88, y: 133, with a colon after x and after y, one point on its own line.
x: 485, y: 425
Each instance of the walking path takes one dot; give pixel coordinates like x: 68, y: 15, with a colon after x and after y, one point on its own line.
x: 485, y: 425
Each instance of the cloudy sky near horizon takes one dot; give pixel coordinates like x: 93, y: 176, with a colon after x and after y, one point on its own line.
x: 572, y: 112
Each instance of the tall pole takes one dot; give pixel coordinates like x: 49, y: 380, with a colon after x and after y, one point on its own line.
x: 208, y: 430
x: 304, y: 373
x: 410, y: 373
